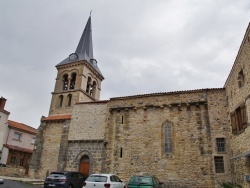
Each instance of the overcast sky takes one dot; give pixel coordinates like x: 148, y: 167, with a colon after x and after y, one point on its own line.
x: 142, y: 46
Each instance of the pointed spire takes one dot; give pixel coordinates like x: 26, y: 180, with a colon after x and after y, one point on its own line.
x: 85, y: 44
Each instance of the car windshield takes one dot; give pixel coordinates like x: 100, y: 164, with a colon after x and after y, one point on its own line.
x: 136, y: 180
x: 97, y: 178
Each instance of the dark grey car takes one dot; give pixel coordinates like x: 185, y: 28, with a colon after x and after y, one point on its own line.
x: 64, y: 180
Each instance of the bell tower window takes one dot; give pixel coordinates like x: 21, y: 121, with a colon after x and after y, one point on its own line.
x: 69, y: 99
x: 60, y: 100
x: 73, y: 81
x: 88, y: 89
x: 93, y: 91
x: 65, y: 82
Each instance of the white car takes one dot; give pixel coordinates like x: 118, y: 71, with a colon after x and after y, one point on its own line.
x: 1, y: 181
x: 103, y: 181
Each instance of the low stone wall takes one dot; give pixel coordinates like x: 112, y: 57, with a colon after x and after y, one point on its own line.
x: 12, y: 171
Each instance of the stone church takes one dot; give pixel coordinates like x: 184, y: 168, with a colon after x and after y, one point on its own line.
x: 194, y: 137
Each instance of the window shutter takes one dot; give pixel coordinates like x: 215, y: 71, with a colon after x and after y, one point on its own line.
x: 233, y: 123
x: 243, y: 116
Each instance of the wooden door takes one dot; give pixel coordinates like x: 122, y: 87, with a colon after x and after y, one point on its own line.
x: 84, y: 168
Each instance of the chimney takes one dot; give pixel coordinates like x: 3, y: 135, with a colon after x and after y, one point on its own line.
x: 2, y: 102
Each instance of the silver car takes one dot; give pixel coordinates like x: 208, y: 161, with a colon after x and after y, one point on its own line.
x: 103, y: 181
x: 1, y: 181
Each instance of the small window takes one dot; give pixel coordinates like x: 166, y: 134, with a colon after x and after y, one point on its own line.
x: 219, y: 164
x: 60, y: 100
x: 33, y: 140
x: 220, y: 142
x: 17, y: 136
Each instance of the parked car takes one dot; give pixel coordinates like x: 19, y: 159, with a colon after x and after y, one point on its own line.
x: 64, y: 180
x: 144, y: 182
x: 103, y: 181
x: 1, y: 181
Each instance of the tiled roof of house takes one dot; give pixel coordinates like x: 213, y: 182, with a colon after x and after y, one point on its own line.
x: 16, y: 148
x: 57, y: 118
x: 22, y: 127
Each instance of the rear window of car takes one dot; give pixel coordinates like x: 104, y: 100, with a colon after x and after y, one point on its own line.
x: 97, y: 178
x: 56, y: 175
x: 140, y: 180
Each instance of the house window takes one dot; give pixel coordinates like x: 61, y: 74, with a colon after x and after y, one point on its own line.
x: 239, y: 119
x: 167, y: 137
x: 219, y: 164
x: 220, y: 142
x: 33, y: 140
x: 13, y: 160
x: 17, y: 136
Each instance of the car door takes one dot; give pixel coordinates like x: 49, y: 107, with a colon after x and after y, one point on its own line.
x: 116, y: 182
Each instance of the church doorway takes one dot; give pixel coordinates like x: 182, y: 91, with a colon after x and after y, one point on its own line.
x: 84, y: 165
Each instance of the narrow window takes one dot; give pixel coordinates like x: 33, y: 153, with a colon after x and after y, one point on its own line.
x: 65, y: 82
x: 88, y: 88
x: 69, y: 99
x: 93, y: 90
x: 121, y: 152
x: 220, y: 142
x: 219, y: 164
x: 17, y: 136
x: 240, y: 79
x: 122, y: 119
x: 60, y: 100
x: 13, y: 160
x: 73, y: 81
x: 167, y: 138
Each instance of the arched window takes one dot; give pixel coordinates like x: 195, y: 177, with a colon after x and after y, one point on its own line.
x: 88, y: 85
x: 60, y: 100
x: 93, y: 91
x: 73, y: 81
x: 69, y: 99
x: 167, y: 130
x: 65, y: 82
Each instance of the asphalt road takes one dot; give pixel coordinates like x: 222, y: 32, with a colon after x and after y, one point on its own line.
x: 16, y: 184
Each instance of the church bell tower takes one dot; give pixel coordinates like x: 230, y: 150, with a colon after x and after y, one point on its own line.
x: 78, y: 77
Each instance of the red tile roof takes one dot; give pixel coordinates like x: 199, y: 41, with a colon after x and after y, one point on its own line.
x: 22, y: 127
x: 16, y: 148
x: 57, y: 118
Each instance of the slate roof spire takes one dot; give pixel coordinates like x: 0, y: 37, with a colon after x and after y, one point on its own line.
x: 85, y: 44
x: 84, y: 50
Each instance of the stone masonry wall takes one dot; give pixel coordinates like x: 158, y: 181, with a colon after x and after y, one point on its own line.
x: 236, y: 96
x: 52, y: 134
x: 134, y: 136
x: 88, y: 121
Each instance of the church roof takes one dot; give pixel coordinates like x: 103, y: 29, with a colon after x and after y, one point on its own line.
x: 84, y: 50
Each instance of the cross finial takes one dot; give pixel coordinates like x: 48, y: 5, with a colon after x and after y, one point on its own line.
x: 90, y: 12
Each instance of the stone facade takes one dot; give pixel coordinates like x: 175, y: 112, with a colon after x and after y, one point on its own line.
x: 135, y: 135
x: 238, y: 94
x: 176, y: 136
